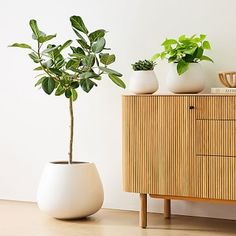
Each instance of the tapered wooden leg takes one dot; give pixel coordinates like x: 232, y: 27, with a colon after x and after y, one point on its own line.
x: 143, y: 210
x: 167, y: 208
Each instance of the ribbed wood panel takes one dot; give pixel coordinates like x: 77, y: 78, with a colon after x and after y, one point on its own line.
x: 172, y: 150
x: 174, y: 118
x: 216, y: 138
x: 140, y: 144
x: 216, y: 107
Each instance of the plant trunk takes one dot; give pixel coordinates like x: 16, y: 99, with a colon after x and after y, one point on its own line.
x: 71, y: 131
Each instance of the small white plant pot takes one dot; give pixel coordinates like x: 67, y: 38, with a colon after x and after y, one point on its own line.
x: 192, y: 81
x: 70, y: 191
x: 143, y: 82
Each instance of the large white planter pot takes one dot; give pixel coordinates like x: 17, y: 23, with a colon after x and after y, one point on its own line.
x: 68, y: 191
x: 192, y: 81
x: 143, y: 82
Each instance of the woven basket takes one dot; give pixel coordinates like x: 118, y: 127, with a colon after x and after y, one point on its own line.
x: 228, y: 79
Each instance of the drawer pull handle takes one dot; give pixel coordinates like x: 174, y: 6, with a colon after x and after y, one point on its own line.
x: 191, y: 107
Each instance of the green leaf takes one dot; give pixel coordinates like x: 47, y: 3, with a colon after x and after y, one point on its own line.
x: 77, y: 56
x: 74, y: 94
x: 72, y: 64
x: 38, y: 68
x: 99, y: 45
x: 55, y: 71
x: 107, y: 59
x: 155, y: 56
x: 163, y: 55
x: 110, y: 71
x: 89, y: 60
x: 60, y: 90
x: 206, y: 58
x: 65, y: 45
x: 74, y: 84
x: 50, y: 49
x: 46, y: 38
x: 169, y: 42
x: 48, y: 85
x: 198, y: 53
x: 34, y: 57
x: 202, y: 37
x: 182, y: 38
x: 206, y: 45
x: 172, y: 59
x: 40, y: 81
x: 78, y: 50
x: 59, y: 62
x: 182, y: 67
x: 77, y: 23
x: 87, y: 84
x: 97, y: 77
x: 117, y: 80
x: 35, y: 29
x: 68, y: 93
x: 20, y: 45
x: 79, y: 35
x: 83, y: 44
x: 190, y: 51
x: 88, y: 74
x: 94, y: 36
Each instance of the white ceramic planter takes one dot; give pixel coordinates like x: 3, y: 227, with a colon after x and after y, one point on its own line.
x: 192, y: 81
x: 68, y: 191
x: 143, y: 82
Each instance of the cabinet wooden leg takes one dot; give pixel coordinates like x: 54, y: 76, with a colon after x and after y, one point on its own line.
x: 143, y: 210
x: 167, y: 208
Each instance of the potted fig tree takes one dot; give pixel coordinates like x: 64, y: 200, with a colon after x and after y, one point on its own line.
x: 71, y: 189
x: 143, y: 79
x: 184, y: 54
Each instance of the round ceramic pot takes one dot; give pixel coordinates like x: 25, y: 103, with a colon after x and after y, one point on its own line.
x: 143, y: 82
x: 69, y: 191
x: 192, y: 81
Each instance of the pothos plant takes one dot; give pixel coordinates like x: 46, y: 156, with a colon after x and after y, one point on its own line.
x: 184, y: 50
x: 82, y: 67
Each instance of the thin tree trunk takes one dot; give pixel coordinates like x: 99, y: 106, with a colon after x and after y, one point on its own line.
x: 71, y: 131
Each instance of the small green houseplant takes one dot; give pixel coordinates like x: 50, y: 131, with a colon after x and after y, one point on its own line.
x: 67, y: 191
x: 186, y: 74
x: 143, y: 80
x: 143, y: 65
x: 184, y: 50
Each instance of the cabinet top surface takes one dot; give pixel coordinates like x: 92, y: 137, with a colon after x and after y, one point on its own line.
x: 177, y: 95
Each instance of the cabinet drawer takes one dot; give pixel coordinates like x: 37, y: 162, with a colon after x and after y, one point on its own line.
x: 216, y: 138
x: 216, y: 107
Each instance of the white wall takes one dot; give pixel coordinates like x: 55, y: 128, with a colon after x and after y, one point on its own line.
x: 34, y: 126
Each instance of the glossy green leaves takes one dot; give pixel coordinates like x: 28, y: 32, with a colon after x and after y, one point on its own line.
x: 48, y: 85
x: 77, y: 23
x: 184, y: 50
x: 83, y: 64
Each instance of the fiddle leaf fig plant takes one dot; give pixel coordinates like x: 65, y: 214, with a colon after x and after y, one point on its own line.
x: 184, y: 50
x: 82, y: 67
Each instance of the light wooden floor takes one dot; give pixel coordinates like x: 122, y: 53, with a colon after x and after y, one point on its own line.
x: 24, y: 219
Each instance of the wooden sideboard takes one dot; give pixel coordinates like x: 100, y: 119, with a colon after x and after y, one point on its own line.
x: 179, y: 147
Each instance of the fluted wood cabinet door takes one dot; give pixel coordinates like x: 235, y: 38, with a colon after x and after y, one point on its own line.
x: 159, y: 146
x: 140, y: 146
x: 175, y: 139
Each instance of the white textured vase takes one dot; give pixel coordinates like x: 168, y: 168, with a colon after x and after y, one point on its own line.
x: 192, y: 81
x: 69, y: 191
x: 143, y: 82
